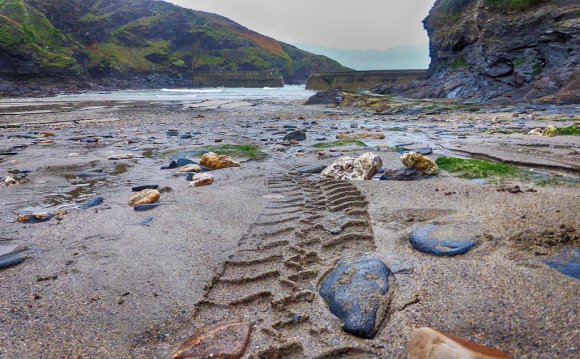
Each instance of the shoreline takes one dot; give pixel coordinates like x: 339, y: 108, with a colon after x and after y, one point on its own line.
x: 99, y: 284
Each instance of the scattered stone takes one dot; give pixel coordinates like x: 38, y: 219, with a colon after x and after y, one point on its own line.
x: 551, y: 131
x: 90, y: 174
x: 511, y: 189
x: 146, y: 196
x: 180, y: 162
x: 12, y: 259
x: 89, y: 140
x: 201, y: 179
x: 425, y: 151
x: 419, y: 162
x: 39, y: 217
x: 567, y: 262
x: 279, y: 148
x: 314, y: 169
x: 93, y: 202
x: 145, y: 186
x: 188, y: 168
x: 72, y: 154
x: 145, y: 207
x: 427, y: 343
x: 422, y: 240
x: 9, y: 181
x: 124, y: 156
x: 361, y: 136
x: 46, y: 134
x: 227, y: 341
x: 145, y: 222
x: 348, y: 168
x: 214, y: 161
x: 403, y: 174
x: 536, y: 132
x: 356, y: 292
x: 298, y: 135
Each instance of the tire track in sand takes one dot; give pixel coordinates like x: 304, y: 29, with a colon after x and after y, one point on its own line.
x: 272, y: 280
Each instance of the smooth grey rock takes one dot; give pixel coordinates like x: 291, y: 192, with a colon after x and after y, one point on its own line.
x: 298, y: 135
x: 356, y: 291
x: 423, y: 241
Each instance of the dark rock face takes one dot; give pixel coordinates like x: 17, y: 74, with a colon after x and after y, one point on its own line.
x: 423, y: 241
x: 356, y: 292
x: 330, y: 97
x: 481, y: 53
x: 490, y: 53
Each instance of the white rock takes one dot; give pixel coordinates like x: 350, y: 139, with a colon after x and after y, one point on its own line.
x: 201, y: 179
x: 124, y: 156
x: 348, y: 168
x: 9, y: 180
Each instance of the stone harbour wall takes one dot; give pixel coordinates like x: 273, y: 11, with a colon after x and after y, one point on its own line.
x: 362, y: 80
x: 267, y: 78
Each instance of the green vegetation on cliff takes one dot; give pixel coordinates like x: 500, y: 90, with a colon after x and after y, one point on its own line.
x: 116, y: 38
x: 27, y: 36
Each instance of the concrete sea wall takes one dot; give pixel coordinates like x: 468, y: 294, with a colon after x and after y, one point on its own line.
x: 267, y: 78
x: 362, y: 80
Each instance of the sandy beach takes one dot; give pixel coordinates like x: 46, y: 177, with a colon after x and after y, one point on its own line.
x: 254, y: 246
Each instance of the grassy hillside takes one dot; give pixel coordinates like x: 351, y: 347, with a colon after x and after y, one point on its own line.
x: 125, y: 38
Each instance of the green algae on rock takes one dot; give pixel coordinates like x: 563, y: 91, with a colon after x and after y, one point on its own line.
x: 467, y: 168
x: 341, y: 143
x: 238, y: 151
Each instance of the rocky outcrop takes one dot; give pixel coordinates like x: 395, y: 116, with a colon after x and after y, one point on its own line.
x: 504, y: 51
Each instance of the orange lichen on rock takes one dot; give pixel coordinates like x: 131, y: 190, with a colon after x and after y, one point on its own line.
x: 144, y: 197
x: 215, y: 162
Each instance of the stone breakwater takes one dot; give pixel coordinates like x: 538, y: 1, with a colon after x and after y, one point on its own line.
x: 357, y: 80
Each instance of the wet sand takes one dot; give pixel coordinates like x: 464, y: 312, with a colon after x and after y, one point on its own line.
x: 98, y: 284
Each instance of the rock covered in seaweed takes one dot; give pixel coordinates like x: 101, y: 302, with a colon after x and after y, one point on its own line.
x: 419, y: 162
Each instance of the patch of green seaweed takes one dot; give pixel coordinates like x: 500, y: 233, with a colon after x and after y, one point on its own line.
x: 348, y: 142
x: 471, y: 169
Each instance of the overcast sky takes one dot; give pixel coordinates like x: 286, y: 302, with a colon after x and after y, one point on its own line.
x: 347, y: 24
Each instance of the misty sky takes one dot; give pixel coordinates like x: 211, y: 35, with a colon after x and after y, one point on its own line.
x: 347, y: 24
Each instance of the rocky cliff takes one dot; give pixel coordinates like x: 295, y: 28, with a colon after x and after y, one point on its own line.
x: 502, y: 51
x: 136, y: 41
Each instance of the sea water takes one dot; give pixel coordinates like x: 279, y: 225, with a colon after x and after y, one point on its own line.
x: 290, y: 92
